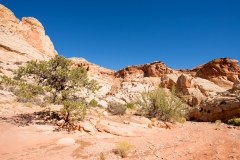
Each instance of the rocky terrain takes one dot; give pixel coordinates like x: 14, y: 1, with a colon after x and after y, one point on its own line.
x: 192, y: 140
x: 211, y: 89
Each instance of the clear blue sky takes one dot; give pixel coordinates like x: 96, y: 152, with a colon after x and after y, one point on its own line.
x: 118, y: 33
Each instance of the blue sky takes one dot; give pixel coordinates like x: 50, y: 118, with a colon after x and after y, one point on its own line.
x: 118, y: 33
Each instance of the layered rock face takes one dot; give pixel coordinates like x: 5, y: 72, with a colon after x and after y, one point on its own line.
x: 155, y: 69
x: 222, y: 71
x: 212, y: 87
x: 223, y: 106
x: 23, y: 40
x: 104, y: 76
x: 124, y: 85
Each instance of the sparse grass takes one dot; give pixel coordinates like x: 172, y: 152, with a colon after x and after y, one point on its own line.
x: 11, y: 89
x: 37, y: 101
x: 162, y: 105
x: 102, y: 156
x: 123, y: 148
x: 116, y: 108
x: 131, y: 105
x: 218, y: 121
x: 234, y: 121
x: 14, y: 105
x: 29, y: 104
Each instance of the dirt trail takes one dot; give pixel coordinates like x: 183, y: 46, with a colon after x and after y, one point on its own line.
x: 193, y: 140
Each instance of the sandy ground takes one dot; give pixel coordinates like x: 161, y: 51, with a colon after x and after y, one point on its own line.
x: 193, y: 140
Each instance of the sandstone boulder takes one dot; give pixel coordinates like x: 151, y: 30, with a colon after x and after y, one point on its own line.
x: 207, y: 86
x: 66, y: 141
x: 155, y: 69
x: 88, y: 127
x: 220, y: 108
x: 169, y: 80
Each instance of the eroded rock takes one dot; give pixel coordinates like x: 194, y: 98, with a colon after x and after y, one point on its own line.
x: 24, y: 40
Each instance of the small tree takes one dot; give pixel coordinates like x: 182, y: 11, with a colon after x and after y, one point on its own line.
x: 162, y: 105
x: 62, y: 80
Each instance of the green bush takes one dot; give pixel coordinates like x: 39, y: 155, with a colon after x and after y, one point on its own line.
x: 6, y: 80
x: 131, y: 105
x: 218, y: 121
x: 162, y: 105
x: 116, y: 108
x: 234, y: 121
x: 93, y: 103
x: 123, y: 148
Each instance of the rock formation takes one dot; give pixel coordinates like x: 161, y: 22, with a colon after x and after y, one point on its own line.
x: 104, y: 76
x: 204, y: 86
x: 222, y: 71
x: 23, y: 40
x: 155, y: 69
x: 223, y: 106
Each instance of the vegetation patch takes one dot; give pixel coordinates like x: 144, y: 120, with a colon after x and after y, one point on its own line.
x: 116, y: 108
x: 234, y: 121
x: 60, y: 80
x: 123, y: 148
x: 131, y: 105
x: 93, y: 103
x: 162, y: 105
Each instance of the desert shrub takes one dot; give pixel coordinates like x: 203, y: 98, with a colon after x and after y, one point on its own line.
x: 131, y: 105
x: 6, y: 80
x: 18, y: 63
x: 37, y: 101
x: 162, y: 105
x: 9, y: 69
x: 93, y: 103
x: 116, y: 108
x: 11, y: 89
x: 123, y: 148
x: 218, y: 121
x: 234, y: 121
